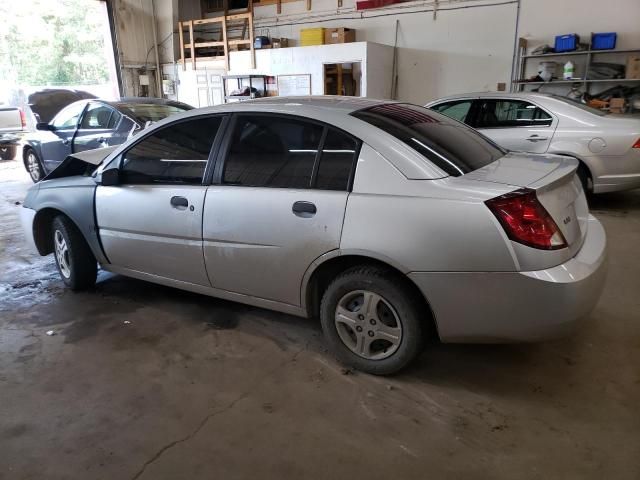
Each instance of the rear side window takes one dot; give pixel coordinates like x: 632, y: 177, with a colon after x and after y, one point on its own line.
x: 450, y: 145
x: 458, y: 110
x: 99, y: 116
x: 272, y: 151
x: 511, y: 113
x: 176, y: 154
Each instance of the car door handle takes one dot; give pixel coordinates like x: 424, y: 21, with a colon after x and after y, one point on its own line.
x: 536, y: 138
x: 179, y: 202
x: 304, y: 209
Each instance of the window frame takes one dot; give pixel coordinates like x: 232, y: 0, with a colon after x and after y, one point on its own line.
x: 213, y: 152
x: 509, y: 99
x: 223, y: 153
x: 101, y: 104
x: 78, y: 121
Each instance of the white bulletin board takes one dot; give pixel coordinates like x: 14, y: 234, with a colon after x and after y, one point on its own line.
x: 294, y: 85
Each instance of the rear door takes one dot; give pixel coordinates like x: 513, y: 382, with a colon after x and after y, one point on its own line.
x: 277, y: 205
x: 97, y: 128
x: 516, y: 125
x: 57, y: 144
x: 152, y: 221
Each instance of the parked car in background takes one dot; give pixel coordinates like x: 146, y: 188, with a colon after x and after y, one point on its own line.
x: 607, y: 146
x: 12, y: 126
x: 388, y: 221
x: 46, y: 103
x: 89, y: 124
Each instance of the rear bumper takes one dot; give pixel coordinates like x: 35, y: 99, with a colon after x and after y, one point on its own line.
x: 518, y: 306
x: 615, y: 173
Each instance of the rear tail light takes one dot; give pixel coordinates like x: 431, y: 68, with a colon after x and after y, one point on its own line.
x: 637, y: 144
x: 23, y: 118
x: 526, y: 221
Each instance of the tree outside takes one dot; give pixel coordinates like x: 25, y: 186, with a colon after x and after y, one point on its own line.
x: 53, y: 42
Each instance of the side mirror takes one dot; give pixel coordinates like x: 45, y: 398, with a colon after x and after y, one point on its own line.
x: 44, y: 126
x: 110, y: 177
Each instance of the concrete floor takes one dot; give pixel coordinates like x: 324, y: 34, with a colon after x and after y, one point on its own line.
x: 197, y: 388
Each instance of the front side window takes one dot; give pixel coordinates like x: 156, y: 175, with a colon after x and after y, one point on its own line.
x: 452, y: 146
x: 272, y: 151
x: 511, y: 113
x: 175, y: 154
x: 99, y: 116
x: 457, y: 110
x: 68, y: 118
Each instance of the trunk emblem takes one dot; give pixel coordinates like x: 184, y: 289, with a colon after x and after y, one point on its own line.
x: 566, y: 220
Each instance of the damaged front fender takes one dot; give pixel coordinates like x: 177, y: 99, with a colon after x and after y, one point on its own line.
x: 81, y: 163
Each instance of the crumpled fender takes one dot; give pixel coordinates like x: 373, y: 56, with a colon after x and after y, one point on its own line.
x: 81, y: 163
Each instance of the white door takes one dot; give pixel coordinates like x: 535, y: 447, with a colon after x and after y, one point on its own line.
x: 279, y: 204
x: 516, y: 125
x: 152, y: 221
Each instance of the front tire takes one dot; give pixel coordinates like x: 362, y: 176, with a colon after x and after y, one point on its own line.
x: 33, y: 165
x: 75, y: 261
x: 372, y: 321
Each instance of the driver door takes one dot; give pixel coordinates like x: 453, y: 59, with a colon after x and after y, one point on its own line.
x: 152, y: 221
x: 57, y: 143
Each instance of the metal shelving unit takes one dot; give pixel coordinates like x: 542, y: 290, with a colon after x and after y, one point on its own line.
x: 518, y: 82
x: 244, y: 81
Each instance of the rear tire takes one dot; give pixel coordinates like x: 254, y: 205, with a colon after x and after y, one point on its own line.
x: 75, y: 261
x: 33, y: 165
x: 372, y: 321
x: 585, y: 178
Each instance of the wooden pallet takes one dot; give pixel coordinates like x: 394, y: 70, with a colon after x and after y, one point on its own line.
x: 225, y: 42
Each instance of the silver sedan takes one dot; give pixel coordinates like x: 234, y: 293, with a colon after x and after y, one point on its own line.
x: 607, y: 146
x: 389, y: 222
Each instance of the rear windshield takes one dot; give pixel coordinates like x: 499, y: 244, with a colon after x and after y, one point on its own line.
x: 451, y: 145
x: 580, y: 105
x: 151, y: 112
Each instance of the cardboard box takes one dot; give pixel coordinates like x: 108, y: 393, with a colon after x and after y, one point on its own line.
x: 280, y: 42
x: 633, y: 67
x: 616, y: 105
x: 339, y: 35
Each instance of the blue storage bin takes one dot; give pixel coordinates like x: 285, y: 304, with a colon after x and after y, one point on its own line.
x: 603, y: 41
x: 567, y: 43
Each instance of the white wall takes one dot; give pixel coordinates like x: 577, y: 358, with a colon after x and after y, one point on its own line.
x: 466, y: 49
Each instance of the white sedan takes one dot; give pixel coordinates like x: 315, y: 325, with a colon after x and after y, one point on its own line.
x: 607, y: 146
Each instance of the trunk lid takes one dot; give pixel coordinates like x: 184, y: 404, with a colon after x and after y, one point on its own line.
x: 557, y: 188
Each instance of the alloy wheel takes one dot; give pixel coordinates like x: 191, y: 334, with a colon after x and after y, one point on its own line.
x: 368, y: 325
x: 62, y: 254
x: 33, y: 166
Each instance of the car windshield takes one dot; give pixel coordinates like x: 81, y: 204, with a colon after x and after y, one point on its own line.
x: 449, y: 144
x: 581, y: 106
x: 153, y: 112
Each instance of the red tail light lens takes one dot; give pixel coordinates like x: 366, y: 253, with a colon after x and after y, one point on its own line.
x: 23, y: 118
x: 526, y: 221
x: 637, y: 144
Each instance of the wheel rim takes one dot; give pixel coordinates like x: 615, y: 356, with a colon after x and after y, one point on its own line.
x: 33, y: 166
x: 368, y: 325
x: 62, y: 254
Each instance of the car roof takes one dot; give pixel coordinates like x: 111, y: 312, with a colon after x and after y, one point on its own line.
x: 522, y: 95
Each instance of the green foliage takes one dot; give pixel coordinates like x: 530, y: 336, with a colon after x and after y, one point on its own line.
x: 53, y: 42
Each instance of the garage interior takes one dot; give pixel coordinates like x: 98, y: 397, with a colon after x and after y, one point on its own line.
x: 136, y: 380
